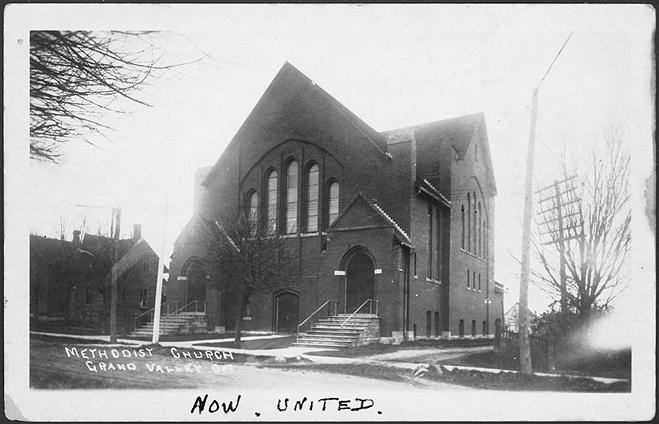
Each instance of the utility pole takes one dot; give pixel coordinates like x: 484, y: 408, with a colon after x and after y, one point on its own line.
x: 161, y: 264
x: 115, y: 228
x: 561, y: 227
x: 524, y: 345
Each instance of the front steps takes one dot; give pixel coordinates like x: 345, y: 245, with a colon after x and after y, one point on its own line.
x: 362, y: 329
x: 181, y: 323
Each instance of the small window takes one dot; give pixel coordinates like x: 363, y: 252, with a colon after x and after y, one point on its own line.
x: 143, y: 298
x: 461, y: 328
x: 437, y: 324
x: 414, y: 261
x: 479, y: 281
x: 468, y: 286
x: 485, y: 328
x: 88, y: 295
x: 428, y: 323
x: 414, y: 330
x: 473, y: 328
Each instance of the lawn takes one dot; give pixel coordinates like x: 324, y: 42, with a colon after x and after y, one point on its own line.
x: 266, y: 344
x: 377, y: 348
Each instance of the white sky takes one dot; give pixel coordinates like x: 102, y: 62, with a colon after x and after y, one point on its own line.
x: 392, y: 65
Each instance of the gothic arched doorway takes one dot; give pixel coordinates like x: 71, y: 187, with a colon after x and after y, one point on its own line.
x: 287, y: 312
x: 360, y: 283
x: 196, y: 282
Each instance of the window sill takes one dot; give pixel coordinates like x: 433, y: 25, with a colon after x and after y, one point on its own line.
x: 433, y: 281
x: 310, y: 234
x: 473, y: 255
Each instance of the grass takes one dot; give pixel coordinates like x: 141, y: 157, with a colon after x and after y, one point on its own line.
x: 377, y: 348
x: 274, y: 343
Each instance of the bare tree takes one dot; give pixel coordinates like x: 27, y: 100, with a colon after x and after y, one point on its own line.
x: 75, y: 76
x: 247, y: 260
x: 599, y: 238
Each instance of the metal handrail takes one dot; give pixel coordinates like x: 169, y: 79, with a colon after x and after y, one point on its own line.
x: 150, y: 311
x: 196, y: 302
x: 327, y: 302
x: 371, y: 301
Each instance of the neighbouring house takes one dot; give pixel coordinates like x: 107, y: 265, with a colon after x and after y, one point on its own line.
x: 70, y: 280
x: 511, y: 319
x: 403, y: 217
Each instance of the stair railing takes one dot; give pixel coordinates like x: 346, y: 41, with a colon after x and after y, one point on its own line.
x: 184, y: 307
x: 372, y: 304
x: 330, y: 312
x: 164, y: 306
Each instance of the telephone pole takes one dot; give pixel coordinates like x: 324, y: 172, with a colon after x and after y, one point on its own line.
x: 562, y: 221
x: 524, y: 345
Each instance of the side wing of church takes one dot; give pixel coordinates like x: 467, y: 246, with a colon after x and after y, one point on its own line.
x: 403, y: 217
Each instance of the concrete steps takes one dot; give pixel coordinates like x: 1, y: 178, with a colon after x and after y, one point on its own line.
x: 327, y: 332
x: 181, y: 323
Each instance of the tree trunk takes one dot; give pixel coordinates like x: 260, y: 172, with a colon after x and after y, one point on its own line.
x: 239, y: 320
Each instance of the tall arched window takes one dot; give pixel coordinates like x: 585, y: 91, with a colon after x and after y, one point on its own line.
x: 291, y: 198
x: 253, y: 211
x: 463, y: 226
x: 473, y: 223
x: 312, y: 198
x: 333, y: 202
x: 480, y: 231
x: 469, y: 222
x: 271, y: 211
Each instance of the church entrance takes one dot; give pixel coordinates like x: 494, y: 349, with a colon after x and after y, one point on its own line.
x: 359, y: 280
x: 197, y: 280
x: 288, y: 306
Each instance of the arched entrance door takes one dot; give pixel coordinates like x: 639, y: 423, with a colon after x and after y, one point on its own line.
x: 196, y: 284
x: 359, y: 280
x: 288, y: 308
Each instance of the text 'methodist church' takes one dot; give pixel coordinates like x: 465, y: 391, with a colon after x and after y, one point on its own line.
x: 404, y: 217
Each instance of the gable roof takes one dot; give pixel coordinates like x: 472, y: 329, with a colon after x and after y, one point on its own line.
x: 458, y: 132
x: 292, y: 80
x: 377, y: 211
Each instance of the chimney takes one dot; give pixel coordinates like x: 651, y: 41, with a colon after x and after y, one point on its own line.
x: 76, y: 238
x: 137, y: 232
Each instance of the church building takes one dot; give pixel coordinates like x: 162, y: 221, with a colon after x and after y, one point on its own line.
x: 401, y: 219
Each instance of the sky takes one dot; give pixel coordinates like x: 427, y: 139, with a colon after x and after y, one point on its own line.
x: 393, y: 66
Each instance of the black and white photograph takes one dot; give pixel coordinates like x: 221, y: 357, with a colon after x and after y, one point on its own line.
x: 329, y: 212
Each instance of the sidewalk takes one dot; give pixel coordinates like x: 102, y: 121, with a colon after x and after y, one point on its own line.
x: 384, y: 359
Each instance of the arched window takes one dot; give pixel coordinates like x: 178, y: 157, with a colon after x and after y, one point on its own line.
x: 291, y: 198
x: 469, y: 222
x: 333, y: 202
x: 473, y: 328
x: 473, y: 223
x: 480, y: 231
x: 485, y: 239
x: 253, y: 211
x: 463, y: 227
x: 312, y: 198
x: 461, y: 328
x: 271, y: 211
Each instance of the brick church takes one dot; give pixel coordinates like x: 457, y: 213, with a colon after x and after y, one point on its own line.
x: 403, y: 217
